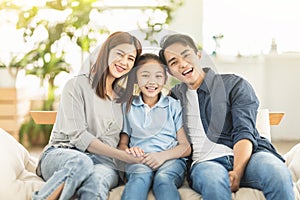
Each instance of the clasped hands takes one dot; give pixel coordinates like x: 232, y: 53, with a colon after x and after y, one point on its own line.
x: 154, y: 160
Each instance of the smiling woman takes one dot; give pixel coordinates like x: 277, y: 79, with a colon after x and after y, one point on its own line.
x: 87, y: 127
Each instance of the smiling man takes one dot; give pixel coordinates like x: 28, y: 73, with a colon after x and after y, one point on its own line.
x: 219, y: 113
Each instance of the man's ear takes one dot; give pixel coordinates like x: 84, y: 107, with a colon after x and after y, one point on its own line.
x: 168, y: 70
x: 199, y: 54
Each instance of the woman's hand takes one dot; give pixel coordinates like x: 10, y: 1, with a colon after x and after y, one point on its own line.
x: 130, y: 159
x: 135, y: 151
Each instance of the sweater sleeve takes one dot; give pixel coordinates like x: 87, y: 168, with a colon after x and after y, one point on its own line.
x: 71, y: 125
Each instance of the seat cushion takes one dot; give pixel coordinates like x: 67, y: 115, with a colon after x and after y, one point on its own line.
x: 292, y: 158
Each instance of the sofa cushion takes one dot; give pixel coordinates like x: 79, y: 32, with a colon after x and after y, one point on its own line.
x: 17, y: 176
x: 263, y: 123
x: 292, y: 159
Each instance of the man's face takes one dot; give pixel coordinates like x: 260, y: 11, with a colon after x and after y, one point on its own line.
x: 184, y: 64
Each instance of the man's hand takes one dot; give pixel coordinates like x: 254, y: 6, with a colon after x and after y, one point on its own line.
x: 235, y: 180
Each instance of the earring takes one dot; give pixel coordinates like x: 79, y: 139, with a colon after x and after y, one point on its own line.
x: 136, y: 90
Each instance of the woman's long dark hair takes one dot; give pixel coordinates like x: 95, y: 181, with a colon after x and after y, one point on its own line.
x: 100, y: 69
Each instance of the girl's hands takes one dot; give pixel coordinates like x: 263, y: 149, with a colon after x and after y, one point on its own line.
x: 135, y: 151
x: 154, y: 160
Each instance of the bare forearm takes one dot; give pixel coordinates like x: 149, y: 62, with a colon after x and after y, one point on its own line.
x: 180, y: 151
x: 99, y: 148
x: 156, y: 159
x: 124, y: 140
x: 242, y: 151
x: 183, y: 148
x: 122, y: 147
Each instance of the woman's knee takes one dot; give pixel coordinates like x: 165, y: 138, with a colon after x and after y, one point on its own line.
x: 80, y: 165
x: 105, y: 176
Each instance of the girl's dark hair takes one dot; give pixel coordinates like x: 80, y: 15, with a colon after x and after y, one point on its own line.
x: 132, y: 75
x: 168, y: 40
x: 100, y: 70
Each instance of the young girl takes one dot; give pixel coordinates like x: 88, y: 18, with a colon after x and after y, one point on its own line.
x: 78, y: 160
x: 153, y: 131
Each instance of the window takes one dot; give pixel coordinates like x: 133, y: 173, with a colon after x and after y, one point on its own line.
x: 249, y: 27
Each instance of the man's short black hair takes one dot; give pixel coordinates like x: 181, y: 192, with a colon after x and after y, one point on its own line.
x: 168, y: 40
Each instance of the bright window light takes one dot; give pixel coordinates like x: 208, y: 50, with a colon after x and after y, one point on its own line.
x: 249, y: 27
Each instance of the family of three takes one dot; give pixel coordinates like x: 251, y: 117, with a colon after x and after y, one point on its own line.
x: 208, y: 116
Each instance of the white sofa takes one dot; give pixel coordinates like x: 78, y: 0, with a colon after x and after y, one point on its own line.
x: 17, y: 173
x: 18, y: 179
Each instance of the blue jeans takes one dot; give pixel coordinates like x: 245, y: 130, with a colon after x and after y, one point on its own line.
x: 87, y: 176
x: 166, y: 180
x: 264, y: 172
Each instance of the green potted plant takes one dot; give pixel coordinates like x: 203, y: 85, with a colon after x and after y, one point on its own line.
x: 39, y: 134
x: 47, y: 63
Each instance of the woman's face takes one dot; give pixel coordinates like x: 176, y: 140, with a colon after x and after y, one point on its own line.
x: 121, y: 59
x: 151, y: 78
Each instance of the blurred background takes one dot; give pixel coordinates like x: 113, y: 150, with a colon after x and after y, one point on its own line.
x: 43, y: 43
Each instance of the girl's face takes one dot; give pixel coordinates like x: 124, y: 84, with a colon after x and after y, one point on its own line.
x: 121, y: 59
x: 151, y: 78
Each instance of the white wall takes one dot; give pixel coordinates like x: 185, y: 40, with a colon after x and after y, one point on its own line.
x: 188, y: 19
x: 283, y: 93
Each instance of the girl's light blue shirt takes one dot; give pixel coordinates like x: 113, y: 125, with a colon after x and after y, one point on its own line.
x: 153, y: 129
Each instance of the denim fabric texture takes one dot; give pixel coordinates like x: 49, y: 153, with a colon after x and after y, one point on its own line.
x: 93, y: 175
x: 264, y: 172
x: 165, y: 181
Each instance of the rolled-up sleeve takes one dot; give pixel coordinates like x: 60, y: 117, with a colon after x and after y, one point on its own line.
x: 244, y: 111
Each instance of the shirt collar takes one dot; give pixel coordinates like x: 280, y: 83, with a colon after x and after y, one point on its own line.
x: 162, y: 102
x: 208, y: 80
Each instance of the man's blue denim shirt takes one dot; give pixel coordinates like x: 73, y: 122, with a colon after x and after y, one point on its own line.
x: 228, y: 109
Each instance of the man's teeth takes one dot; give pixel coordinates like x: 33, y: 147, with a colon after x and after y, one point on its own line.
x: 187, y: 71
